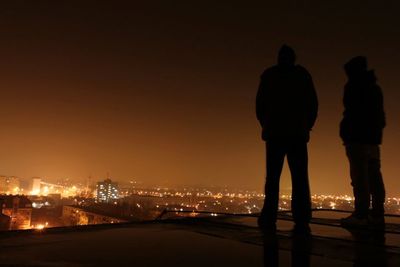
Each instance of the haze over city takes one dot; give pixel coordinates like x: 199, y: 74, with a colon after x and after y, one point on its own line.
x: 165, y: 93
x: 153, y: 133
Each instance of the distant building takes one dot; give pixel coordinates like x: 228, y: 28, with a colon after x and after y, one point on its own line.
x: 39, y: 202
x: 9, y: 185
x: 5, y: 222
x: 107, y: 191
x: 56, y: 198
x: 73, y: 215
x: 36, y: 184
x: 3, y: 184
x: 19, y: 209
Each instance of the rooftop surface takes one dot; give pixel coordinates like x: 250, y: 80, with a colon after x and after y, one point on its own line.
x: 208, y: 241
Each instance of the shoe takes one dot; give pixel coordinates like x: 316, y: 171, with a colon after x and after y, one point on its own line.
x: 376, y: 221
x: 354, y: 221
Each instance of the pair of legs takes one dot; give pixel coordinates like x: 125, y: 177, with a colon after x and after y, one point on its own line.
x: 297, y: 157
x: 366, y: 179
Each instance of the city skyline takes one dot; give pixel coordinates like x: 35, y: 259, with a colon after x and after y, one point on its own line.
x: 75, y: 188
x: 166, y: 93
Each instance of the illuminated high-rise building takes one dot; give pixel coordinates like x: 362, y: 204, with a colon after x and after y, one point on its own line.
x: 36, y: 184
x: 107, y: 191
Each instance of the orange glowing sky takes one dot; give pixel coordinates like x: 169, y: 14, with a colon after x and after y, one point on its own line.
x: 164, y: 93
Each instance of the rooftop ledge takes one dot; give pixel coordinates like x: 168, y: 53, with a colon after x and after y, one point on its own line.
x: 207, y: 241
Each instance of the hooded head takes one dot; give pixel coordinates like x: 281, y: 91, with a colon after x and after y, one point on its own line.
x: 286, y: 56
x: 356, y: 67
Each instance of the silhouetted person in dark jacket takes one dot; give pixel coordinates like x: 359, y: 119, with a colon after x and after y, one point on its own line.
x: 286, y: 108
x: 361, y: 131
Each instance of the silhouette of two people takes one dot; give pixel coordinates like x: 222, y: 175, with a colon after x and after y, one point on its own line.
x: 286, y: 107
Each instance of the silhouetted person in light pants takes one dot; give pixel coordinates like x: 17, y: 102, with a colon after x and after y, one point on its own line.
x: 286, y: 108
x: 361, y: 131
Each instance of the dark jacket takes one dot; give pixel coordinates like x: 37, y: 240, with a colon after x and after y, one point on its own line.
x: 363, y: 116
x: 286, y: 104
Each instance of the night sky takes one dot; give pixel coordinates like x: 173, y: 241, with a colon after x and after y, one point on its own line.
x: 165, y: 92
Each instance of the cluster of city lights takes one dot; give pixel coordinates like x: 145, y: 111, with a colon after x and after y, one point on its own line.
x: 40, y: 226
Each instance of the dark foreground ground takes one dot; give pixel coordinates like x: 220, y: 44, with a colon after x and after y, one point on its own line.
x: 209, y: 241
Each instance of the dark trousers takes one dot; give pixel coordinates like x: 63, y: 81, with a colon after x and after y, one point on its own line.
x: 297, y: 158
x: 366, y: 178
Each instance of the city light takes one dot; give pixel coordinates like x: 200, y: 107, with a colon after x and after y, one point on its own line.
x: 78, y: 204
x: 40, y: 227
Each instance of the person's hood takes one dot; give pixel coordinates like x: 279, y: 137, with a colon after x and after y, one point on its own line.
x: 367, y: 77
